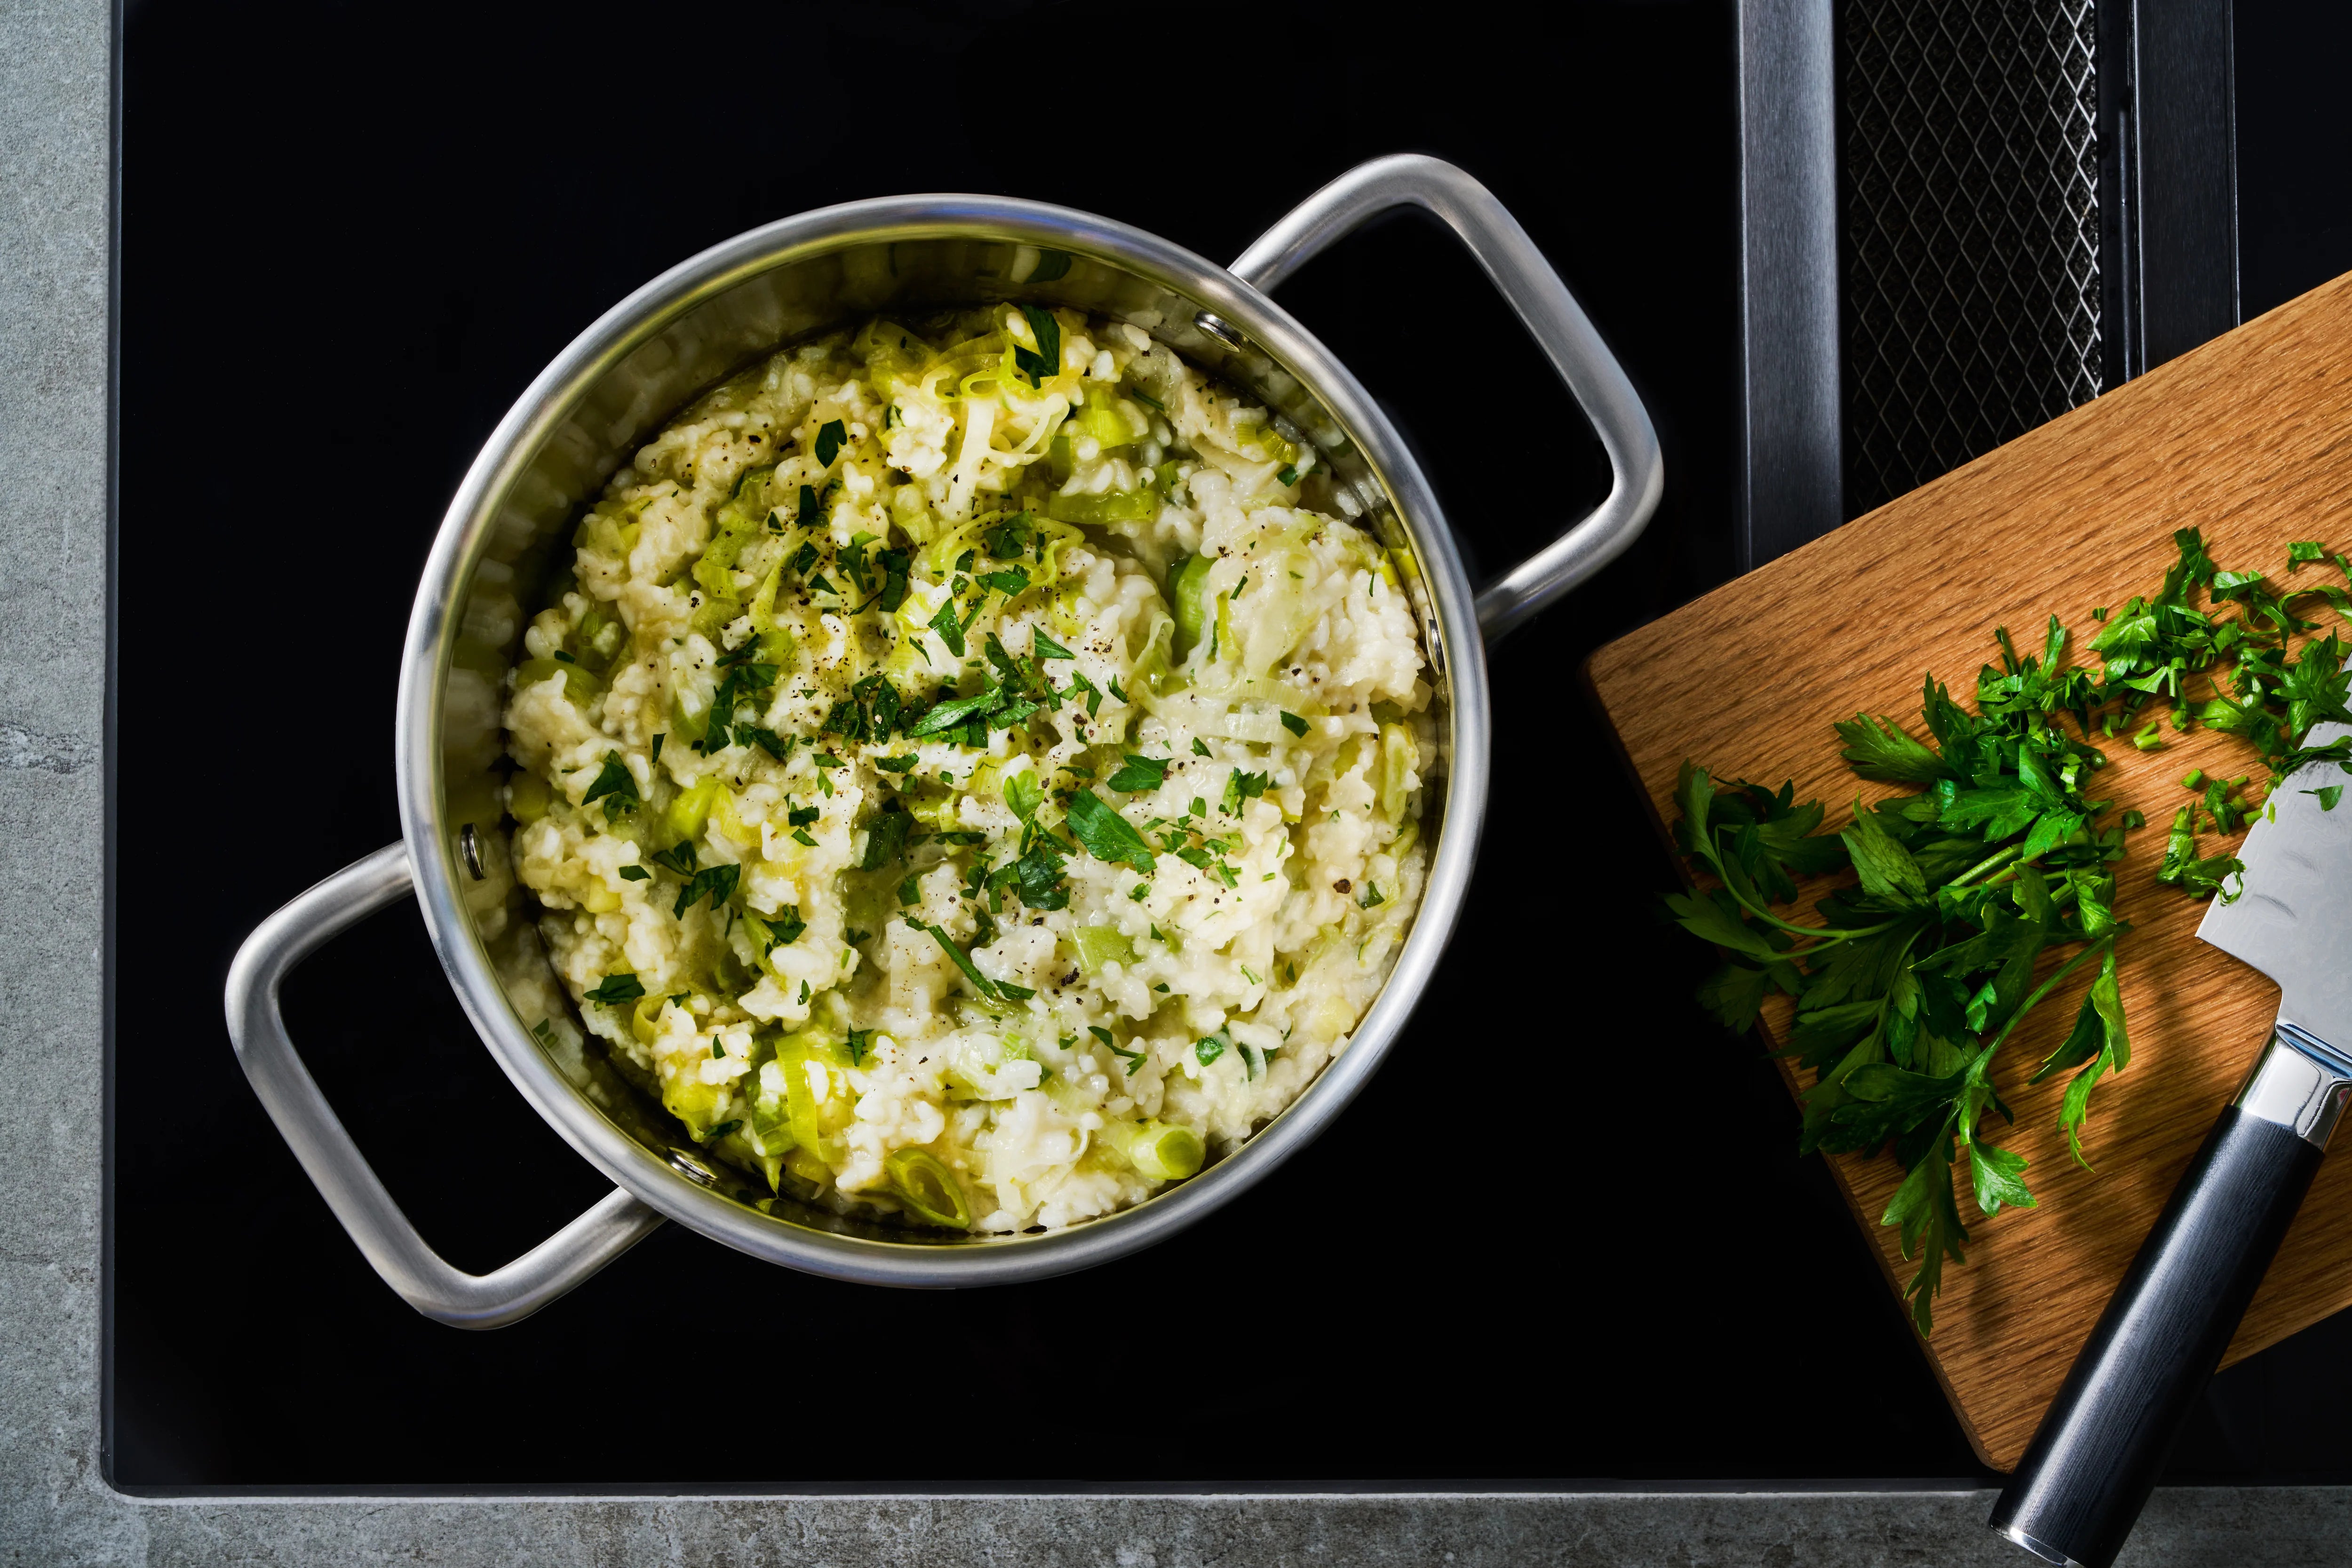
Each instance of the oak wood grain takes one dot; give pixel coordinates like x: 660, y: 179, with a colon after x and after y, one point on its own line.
x: 2249, y: 438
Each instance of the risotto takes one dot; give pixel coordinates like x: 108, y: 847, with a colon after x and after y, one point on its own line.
x: 972, y: 771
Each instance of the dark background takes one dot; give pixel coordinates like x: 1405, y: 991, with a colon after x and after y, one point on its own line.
x: 350, y: 235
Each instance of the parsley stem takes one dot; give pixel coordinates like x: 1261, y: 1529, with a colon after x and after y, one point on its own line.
x: 1977, y: 1067
x: 1987, y: 864
x: 1820, y: 933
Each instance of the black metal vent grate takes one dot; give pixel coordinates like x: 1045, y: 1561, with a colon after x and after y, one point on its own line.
x: 1969, y: 176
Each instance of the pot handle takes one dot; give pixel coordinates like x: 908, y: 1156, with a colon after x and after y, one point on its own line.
x: 1552, y: 317
x: 341, y: 1174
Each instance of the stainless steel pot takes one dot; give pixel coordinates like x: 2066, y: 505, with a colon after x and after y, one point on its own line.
x: 617, y: 384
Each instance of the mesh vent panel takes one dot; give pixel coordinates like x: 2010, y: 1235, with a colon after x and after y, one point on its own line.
x: 1970, y: 229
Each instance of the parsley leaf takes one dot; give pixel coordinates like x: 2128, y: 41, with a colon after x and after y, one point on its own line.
x: 995, y: 990
x: 1139, y: 774
x: 1293, y: 723
x: 831, y: 437
x: 1045, y: 361
x: 616, y: 989
x: 613, y: 782
x: 950, y: 627
x: 1108, y: 836
x: 716, y: 883
x: 886, y: 839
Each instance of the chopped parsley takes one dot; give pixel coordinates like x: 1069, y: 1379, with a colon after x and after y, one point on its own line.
x: 616, y: 989
x: 1200, y: 747
x: 677, y: 857
x: 995, y: 990
x: 1139, y: 775
x: 635, y: 874
x: 1293, y: 723
x: 951, y: 629
x: 886, y: 839
x: 1990, y: 855
x: 1129, y: 1060
x: 613, y: 782
x: 1042, y: 364
x: 1043, y: 647
x: 831, y: 437
x: 1211, y: 1046
x: 1108, y: 836
x: 716, y: 883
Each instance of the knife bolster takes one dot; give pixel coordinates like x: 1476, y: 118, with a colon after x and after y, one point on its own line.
x: 2300, y: 1082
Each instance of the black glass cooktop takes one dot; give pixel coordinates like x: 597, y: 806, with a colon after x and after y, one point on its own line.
x: 348, y: 237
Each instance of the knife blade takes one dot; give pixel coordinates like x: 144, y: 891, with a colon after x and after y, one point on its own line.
x: 2102, y: 1442
x: 2293, y: 918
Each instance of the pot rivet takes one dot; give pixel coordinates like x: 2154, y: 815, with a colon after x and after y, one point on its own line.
x: 692, y: 1168
x: 469, y: 847
x: 1220, y: 329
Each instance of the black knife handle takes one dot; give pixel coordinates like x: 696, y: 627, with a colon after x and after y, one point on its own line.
x: 2095, y: 1458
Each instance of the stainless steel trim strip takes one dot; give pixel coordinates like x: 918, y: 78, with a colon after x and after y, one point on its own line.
x: 1793, y: 486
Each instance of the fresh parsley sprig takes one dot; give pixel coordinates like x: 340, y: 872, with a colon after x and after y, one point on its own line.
x: 1914, y: 977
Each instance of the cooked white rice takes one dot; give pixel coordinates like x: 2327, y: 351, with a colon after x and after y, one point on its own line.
x: 1178, y: 866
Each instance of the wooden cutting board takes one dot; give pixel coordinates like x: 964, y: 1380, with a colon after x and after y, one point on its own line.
x: 2249, y: 438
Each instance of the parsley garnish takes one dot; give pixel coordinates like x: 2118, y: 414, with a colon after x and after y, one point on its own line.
x: 1200, y: 747
x: 1210, y: 1048
x: 614, y: 782
x: 1046, y: 362
x: 716, y: 883
x: 1241, y: 786
x: 1108, y: 836
x: 635, y: 874
x: 886, y: 839
x: 1293, y: 723
x: 950, y: 627
x: 784, y: 927
x: 830, y: 438
x: 1043, y: 647
x: 616, y: 989
x: 995, y: 990
x: 1139, y: 774
x: 859, y: 1041
x: 1128, y: 1060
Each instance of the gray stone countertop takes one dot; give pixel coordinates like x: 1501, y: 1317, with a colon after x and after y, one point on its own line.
x: 55, y: 1504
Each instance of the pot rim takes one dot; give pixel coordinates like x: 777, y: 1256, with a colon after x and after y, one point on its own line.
x: 1453, y: 644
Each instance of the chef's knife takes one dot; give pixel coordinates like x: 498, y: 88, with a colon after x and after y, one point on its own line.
x: 2095, y: 1457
